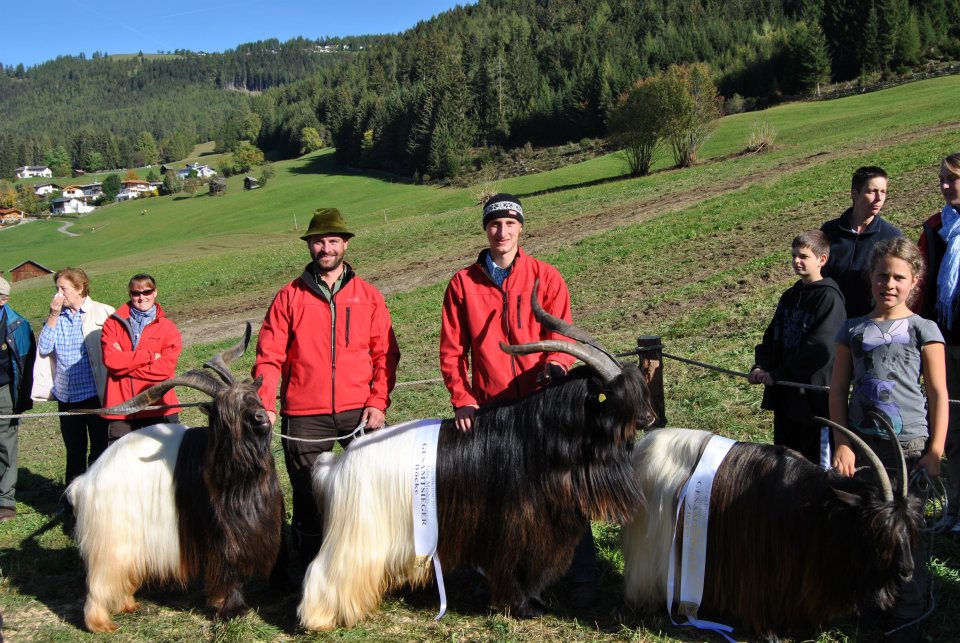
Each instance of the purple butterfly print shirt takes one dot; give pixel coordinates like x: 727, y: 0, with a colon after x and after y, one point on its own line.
x: 886, y: 373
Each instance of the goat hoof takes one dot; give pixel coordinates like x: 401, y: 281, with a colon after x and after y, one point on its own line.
x: 97, y: 619
x: 130, y: 605
x: 531, y: 608
x: 321, y: 627
x: 98, y: 626
x: 232, y: 609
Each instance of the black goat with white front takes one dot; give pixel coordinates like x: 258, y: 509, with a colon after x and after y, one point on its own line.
x: 169, y: 503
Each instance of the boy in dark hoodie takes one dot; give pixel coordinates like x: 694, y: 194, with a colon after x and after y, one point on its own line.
x: 798, y: 346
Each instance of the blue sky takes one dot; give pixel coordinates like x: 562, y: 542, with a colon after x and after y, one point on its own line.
x: 35, y: 32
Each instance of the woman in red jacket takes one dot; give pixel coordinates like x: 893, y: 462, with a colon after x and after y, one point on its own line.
x: 141, y: 347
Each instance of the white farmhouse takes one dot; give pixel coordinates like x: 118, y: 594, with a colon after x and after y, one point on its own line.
x: 45, y: 189
x: 66, y: 205
x: 28, y: 171
x: 203, y: 171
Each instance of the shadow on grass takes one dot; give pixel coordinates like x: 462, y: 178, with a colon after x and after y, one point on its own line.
x: 46, y: 567
x: 42, y: 567
x: 325, y: 164
x: 577, y: 186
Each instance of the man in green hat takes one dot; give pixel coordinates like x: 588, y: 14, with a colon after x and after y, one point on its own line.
x: 329, y: 338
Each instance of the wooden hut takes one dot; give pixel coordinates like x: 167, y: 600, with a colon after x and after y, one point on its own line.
x: 28, y: 270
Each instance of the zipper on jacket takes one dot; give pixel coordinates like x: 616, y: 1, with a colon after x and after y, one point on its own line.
x: 347, y: 327
x: 506, y: 334
x: 333, y: 358
x: 519, y: 319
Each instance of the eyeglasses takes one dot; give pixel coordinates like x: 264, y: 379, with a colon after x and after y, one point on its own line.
x: 145, y: 293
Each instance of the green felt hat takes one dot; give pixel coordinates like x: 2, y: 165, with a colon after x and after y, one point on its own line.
x: 327, y: 221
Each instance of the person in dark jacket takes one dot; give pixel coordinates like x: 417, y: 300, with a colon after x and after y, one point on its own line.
x: 798, y: 346
x: 852, y: 236
x: 939, y: 300
x: 18, y: 350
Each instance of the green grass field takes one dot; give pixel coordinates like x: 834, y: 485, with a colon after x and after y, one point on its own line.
x: 696, y: 256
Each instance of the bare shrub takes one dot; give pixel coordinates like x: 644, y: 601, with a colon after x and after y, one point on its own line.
x: 762, y: 136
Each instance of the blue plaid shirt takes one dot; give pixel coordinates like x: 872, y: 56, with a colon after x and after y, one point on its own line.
x: 73, y: 381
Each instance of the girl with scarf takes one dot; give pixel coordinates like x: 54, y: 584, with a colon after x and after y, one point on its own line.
x: 940, y: 301
x: 141, y: 347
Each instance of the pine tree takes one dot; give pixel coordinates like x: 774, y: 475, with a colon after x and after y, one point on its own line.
x: 808, y: 60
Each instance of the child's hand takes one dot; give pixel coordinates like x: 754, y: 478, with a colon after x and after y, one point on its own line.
x: 759, y: 376
x: 930, y: 462
x: 845, y: 461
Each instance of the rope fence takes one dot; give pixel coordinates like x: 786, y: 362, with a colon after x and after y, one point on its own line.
x: 635, y: 352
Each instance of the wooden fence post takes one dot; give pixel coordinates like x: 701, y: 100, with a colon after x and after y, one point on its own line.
x: 650, y: 351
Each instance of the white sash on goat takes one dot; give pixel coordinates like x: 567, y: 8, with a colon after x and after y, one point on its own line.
x: 695, y: 503
x: 425, y: 524
x: 825, y: 455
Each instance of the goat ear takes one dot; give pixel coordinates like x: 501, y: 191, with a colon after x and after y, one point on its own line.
x: 847, y: 498
x: 257, y: 383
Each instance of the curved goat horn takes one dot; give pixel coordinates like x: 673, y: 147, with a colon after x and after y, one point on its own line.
x: 220, y: 361
x: 561, y: 327
x: 595, y: 359
x: 885, y: 423
x: 868, y: 453
x: 194, y: 379
x: 585, y: 347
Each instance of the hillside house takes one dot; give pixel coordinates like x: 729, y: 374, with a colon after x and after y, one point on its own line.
x: 67, y: 205
x: 92, y: 190
x: 11, y: 216
x: 86, y: 193
x: 134, y: 189
x: 250, y: 183
x: 29, y: 171
x: 203, y: 171
x: 28, y: 270
x: 46, y: 189
x: 136, y: 185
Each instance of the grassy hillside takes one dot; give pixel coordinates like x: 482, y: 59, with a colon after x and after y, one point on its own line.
x: 696, y: 256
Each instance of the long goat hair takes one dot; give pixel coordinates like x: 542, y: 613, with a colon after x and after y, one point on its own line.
x: 170, y: 504
x: 790, y: 546
x: 514, y: 495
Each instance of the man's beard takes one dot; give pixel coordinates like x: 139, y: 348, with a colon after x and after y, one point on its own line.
x: 337, y: 262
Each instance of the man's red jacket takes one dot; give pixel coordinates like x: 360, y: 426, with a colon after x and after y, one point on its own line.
x: 319, y: 376
x: 478, y: 315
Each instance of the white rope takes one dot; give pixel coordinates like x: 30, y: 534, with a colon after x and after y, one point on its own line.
x: 28, y: 416
x: 359, y: 429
